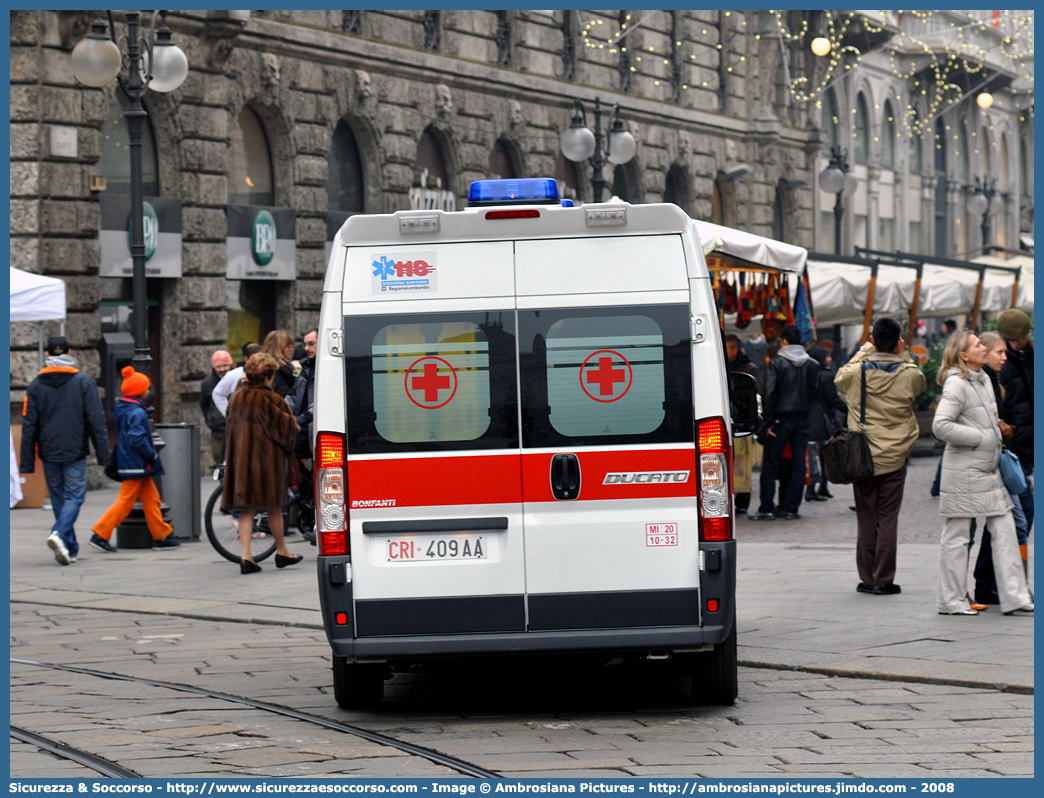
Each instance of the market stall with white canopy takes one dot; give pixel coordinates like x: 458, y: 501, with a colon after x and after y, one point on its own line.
x: 921, y: 286
x: 35, y: 297
x: 761, y: 264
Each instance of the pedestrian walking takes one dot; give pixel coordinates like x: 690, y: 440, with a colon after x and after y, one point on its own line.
x: 985, y: 581
x: 137, y: 462
x: 892, y: 381
x: 259, y: 434
x: 745, y: 449
x: 828, y: 412
x: 220, y: 365
x: 61, y: 415
x: 971, y: 486
x: 227, y: 385
x: 789, y: 393
x: 1016, y: 378
x: 280, y: 345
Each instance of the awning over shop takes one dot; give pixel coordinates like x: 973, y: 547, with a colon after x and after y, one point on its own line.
x: 1001, y: 278
x: 840, y: 288
x: 752, y: 249
x: 1027, y: 240
x: 35, y: 297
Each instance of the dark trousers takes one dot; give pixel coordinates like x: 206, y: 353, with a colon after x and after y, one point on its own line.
x: 794, y: 431
x: 877, y: 502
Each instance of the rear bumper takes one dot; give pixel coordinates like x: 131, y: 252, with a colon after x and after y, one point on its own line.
x: 717, y: 582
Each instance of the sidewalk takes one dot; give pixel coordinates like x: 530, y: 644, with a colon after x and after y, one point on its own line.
x: 797, y: 604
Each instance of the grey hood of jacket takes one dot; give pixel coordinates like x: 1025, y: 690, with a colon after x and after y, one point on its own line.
x: 62, y: 362
x: 795, y: 353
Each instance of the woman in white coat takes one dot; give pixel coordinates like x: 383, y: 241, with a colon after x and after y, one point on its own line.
x: 971, y: 486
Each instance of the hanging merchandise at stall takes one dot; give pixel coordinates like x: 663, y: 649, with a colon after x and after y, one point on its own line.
x: 755, y: 277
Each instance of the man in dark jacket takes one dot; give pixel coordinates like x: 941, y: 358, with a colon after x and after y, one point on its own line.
x: 790, y: 389
x: 220, y: 362
x: 742, y: 448
x: 62, y: 413
x: 1017, y: 380
x: 302, y: 397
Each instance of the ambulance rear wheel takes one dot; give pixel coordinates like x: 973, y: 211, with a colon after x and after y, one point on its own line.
x: 357, y: 685
x: 715, y: 675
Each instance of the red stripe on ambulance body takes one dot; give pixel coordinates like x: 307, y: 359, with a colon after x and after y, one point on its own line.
x: 433, y: 481
x: 641, y: 474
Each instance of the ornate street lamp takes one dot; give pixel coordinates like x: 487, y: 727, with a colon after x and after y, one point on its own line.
x: 158, y: 64
x: 579, y: 143
x: 837, y: 179
x: 980, y: 202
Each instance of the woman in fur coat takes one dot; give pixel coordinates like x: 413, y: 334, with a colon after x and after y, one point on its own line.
x: 260, y: 431
x: 971, y: 486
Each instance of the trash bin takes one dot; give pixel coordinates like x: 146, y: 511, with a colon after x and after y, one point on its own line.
x: 179, y: 485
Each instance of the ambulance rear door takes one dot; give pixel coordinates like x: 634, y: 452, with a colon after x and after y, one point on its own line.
x: 608, y: 459
x: 434, y: 486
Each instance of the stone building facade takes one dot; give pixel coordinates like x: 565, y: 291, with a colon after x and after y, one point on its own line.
x: 326, y: 113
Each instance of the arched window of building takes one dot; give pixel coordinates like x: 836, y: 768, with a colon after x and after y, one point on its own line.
x: 964, y: 175
x: 568, y: 181
x: 718, y: 214
x: 942, y: 238
x: 344, y: 186
x: 623, y: 65
x: 250, y: 182
x: 830, y: 122
x: 779, y: 228
x: 114, y: 164
x: 430, y: 165
x: 432, y: 30
x: 569, y: 35
x: 622, y: 187
x: 888, y: 137
x: 916, y: 164
x: 501, y: 164
x: 861, y: 131
x: 503, y: 37
x: 1004, y: 189
x: 677, y: 28
x: 676, y: 188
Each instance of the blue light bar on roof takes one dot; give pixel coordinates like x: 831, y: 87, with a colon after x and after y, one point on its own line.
x: 528, y: 191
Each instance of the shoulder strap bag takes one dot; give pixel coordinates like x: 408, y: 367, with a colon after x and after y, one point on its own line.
x: 1010, y: 465
x: 846, y: 455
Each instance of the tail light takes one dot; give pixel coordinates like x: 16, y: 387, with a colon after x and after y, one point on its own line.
x: 331, y: 495
x: 714, y: 463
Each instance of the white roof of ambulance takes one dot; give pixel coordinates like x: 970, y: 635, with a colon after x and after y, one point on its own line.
x: 555, y: 221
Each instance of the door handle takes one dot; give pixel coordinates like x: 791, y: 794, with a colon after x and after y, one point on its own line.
x: 565, y: 477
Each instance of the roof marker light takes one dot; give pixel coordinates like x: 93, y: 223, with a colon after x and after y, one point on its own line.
x: 609, y: 217
x: 429, y: 223
x: 526, y: 191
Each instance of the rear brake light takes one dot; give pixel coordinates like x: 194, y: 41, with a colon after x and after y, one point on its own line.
x: 714, y: 463
x: 526, y: 214
x: 331, y: 495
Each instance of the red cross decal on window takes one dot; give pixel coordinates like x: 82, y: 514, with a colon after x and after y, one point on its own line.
x: 425, y: 387
x: 606, y: 375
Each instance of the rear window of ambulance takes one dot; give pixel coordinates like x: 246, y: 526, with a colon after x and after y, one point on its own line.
x: 431, y: 382
x: 600, y: 376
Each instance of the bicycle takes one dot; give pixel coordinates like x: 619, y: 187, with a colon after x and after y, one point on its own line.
x: 224, y: 537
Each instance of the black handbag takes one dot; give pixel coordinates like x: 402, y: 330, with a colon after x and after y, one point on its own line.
x: 112, y: 469
x: 846, y: 455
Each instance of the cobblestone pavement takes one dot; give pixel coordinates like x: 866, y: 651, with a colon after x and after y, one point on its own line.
x: 832, y: 683
x: 546, y: 719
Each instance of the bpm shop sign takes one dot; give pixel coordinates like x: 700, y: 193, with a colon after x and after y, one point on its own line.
x: 261, y: 243
x: 162, y: 227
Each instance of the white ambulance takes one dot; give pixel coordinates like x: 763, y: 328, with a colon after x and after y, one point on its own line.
x: 523, y: 440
